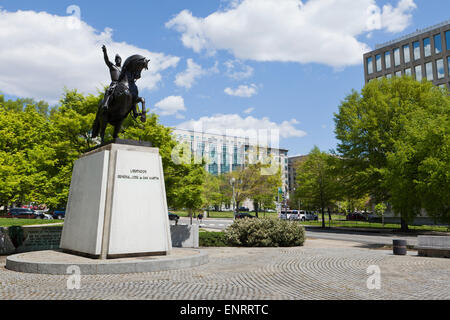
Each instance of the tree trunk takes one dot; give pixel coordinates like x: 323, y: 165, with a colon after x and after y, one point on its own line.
x: 404, y: 225
x: 256, y: 209
x: 323, y: 218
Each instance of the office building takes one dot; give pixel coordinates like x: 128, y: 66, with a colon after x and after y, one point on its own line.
x: 424, y: 54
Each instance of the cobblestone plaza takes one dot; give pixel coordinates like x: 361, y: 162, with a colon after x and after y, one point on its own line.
x: 322, y: 269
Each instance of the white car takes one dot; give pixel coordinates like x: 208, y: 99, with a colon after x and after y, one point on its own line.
x: 42, y: 214
x: 293, y: 215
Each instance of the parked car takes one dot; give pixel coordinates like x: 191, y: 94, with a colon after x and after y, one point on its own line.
x: 374, y: 218
x: 43, y: 214
x: 59, y: 213
x: 21, y: 213
x: 243, y: 215
x: 174, y: 217
x: 245, y: 209
x: 356, y: 216
x: 293, y: 215
x: 311, y: 216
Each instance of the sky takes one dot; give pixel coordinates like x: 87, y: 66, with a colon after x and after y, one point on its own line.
x: 282, y: 65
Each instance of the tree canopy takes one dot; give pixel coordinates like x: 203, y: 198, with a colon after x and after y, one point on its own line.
x: 394, y: 142
x: 38, y: 146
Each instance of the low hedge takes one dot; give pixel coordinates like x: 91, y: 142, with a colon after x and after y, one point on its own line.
x: 265, y: 232
x: 212, y: 239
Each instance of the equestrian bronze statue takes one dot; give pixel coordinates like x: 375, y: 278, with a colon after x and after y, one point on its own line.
x: 122, y: 96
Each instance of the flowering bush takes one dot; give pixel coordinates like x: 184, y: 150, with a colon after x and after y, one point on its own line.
x: 266, y: 232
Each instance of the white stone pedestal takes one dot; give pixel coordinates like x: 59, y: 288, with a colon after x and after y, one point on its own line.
x: 117, y: 204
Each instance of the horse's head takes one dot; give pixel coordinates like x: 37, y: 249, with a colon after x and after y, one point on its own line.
x: 134, y: 66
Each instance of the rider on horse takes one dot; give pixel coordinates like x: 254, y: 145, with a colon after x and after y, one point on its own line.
x: 114, y: 71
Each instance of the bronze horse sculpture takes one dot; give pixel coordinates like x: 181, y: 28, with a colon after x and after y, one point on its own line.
x: 122, y: 99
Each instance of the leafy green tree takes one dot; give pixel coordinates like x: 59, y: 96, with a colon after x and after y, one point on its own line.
x: 211, y: 192
x: 249, y: 183
x: 26, y: 152
x: 317, y: 184
x: 265, y: 191
x: 372, y: 127
x: 418, y: 169
x: 380, y: 209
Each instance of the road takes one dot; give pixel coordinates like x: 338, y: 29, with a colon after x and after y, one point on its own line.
x: 374, y: 238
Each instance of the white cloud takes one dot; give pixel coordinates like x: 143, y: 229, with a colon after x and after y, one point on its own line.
x: 193, y: 72
x: 40, y: 54
x: 394, y: 19
x: 171, y: 105
x: 242, y: 91
x: 319, y: 31
x: 234, y: 124
x: 249, y: 110
x: 238, y: 70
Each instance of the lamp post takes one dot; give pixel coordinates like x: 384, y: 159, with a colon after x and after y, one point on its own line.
x: 232, y: 181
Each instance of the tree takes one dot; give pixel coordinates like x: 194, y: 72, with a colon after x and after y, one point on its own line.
x: 317, y: 185
x: 246, y: 182
x: 375, y: 131
x: 211, y: 191
x: 418, y: 169
x: 266, y: 191
x: 26, y: 151
x: 380, y: 209
x: 38, y: 147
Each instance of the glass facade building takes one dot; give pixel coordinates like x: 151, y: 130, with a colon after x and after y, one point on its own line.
x: 223, y: 154
x: 424, y: 54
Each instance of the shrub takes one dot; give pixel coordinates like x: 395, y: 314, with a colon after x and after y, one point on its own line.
x: 265, y: 232
x: 212, y: 239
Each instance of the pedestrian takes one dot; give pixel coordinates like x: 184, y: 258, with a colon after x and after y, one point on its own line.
x: 200, y: 217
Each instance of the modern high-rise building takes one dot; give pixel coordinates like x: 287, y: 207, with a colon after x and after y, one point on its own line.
x: 225, y: 153
x: 424, y: 54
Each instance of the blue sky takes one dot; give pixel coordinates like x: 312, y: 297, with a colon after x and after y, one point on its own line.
x: 252, y: 65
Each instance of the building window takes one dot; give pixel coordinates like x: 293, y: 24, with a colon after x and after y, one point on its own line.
x: 378, y: 62
x: 418, y: 71
x: 388, y: 76
x: 387, y: 59
x: 440, y: 68
x: 448, y: 65
x: 437, y: 44
x: 396, y: 57
x: 427, y: 47
x: 429, y: 71
x: 416, y: 46
x: 408, y: 71
x: 398, y: 74
x: 369, y: 65
x: 447, y: 39
x: 406, y: 55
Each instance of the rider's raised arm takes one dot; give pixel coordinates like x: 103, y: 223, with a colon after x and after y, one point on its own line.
x: 105, y: 56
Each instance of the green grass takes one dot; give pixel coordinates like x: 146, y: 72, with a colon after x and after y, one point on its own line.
x: 8, y: 222
x: 339, y: 221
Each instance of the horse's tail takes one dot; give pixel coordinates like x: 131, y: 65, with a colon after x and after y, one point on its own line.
x: 96, y: 125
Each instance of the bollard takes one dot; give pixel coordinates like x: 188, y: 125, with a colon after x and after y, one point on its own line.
x: 399, y: 247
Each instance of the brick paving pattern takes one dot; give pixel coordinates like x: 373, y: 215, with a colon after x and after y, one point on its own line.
x: 311, y: 272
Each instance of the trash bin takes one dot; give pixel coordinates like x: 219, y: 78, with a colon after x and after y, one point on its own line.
x: 399, y: 247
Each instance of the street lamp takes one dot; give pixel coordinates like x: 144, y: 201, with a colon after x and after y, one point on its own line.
x: 232, y: 181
